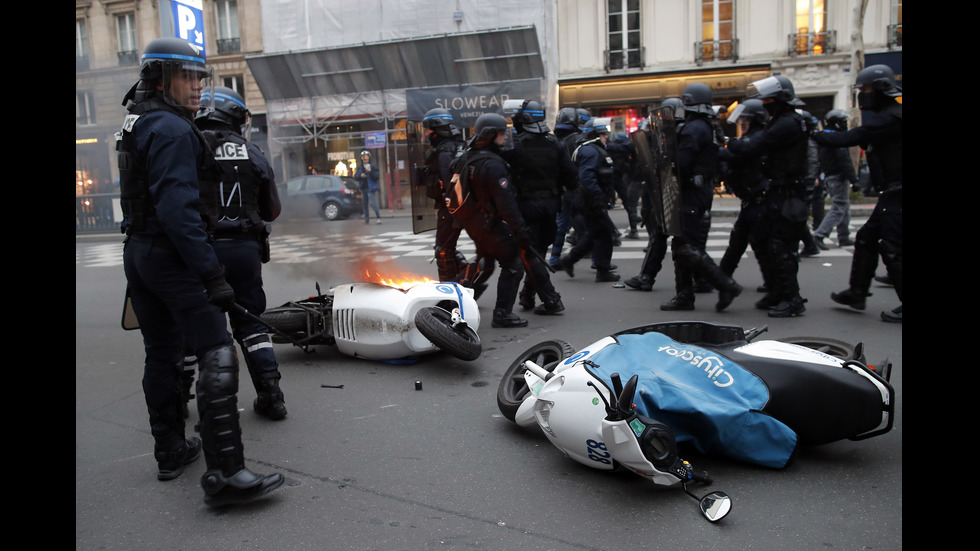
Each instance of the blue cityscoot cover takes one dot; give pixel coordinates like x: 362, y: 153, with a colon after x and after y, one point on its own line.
x: 706, y: 399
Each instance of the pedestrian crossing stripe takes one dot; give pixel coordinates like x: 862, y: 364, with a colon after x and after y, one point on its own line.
x: 305, y: 249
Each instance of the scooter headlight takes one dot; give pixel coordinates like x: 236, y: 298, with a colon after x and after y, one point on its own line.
x: 542, y: 413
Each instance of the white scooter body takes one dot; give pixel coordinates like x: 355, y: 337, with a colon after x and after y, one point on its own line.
x: 377, y: 321
x: 567, y: 405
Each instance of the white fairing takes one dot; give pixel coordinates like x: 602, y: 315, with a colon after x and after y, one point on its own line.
x: 790, y: 352
x: 377, y: 322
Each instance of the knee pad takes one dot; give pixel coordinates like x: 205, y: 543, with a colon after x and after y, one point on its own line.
x: 218, y: 372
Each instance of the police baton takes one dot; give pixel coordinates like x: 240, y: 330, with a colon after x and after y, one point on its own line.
x: 541, y: 258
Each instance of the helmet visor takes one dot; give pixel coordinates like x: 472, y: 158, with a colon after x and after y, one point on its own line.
x: 765, y: 88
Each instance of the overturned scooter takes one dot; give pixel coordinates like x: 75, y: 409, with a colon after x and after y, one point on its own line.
x: 709, y: 386
x: 627, y: 439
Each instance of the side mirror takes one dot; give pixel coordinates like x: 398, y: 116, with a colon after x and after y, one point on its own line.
x: 715, y: 506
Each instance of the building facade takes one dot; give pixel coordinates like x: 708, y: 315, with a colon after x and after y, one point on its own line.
x: 326, y: 79
x: 622, y: 58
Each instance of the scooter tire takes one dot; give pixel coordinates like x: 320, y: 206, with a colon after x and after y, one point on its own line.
x: 291, y: 321
x: 436, y: 325
x: 513, y: 388
x: 835, y: 348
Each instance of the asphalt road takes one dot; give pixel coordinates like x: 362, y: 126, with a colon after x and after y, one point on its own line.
x: 379, y: 465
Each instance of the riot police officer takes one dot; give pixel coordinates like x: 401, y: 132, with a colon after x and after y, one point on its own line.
x: 541, y: 171
x: 568, y: 130
x: 784, y: 146
x: 489, y: 212
x: 445, y: 144
x: 880, y: 135
x: 697, y: 163
x: 595, y: 173
x: 745, y: 180
x: 249, y: 201
x: 177, y: 285
x: 658, y: 242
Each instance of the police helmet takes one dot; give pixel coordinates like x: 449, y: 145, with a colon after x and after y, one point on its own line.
x: 596, y: 126
x: 163, y: 56
x: 881, y: 78
x: 835, y: 119
x: 812, y: 123
x: 752, y: 110
x: 677, y: 105
x: 365, y: 152
x: 439, y: 121
x: 527, y: 115
x: 696, y: 98
x: 568, y: 117
x: 487, y: 127
x: 222, y: 104
x: 777, y: 87
x: 583, y: 116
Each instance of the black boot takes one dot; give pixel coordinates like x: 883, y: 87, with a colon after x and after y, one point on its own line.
x: 551, y: 305
x: 642, y: 282
x: 173, y: 452
x: 269, y: 400
x: 606, y: 275
x: 788, y: 308
x: 727, y: 294
x: 892, y: 316
x: 226, y: 481
x: 503, y: 318
x: 684, y: 300
x: 850, y: 297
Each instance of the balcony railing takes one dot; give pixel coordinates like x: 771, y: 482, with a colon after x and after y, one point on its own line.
x: 229, y: 45
x: 813, y: 43
x: 716, y: 50
x: 894, y: 36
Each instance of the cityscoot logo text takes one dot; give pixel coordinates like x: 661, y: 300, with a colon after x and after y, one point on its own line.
x: 712, y: 365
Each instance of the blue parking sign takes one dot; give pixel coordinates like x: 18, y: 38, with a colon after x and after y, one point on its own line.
x: 374, y: 140
x: 189, y: 21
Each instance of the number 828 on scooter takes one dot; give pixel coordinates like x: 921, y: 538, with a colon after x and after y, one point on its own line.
x: 597, y: 452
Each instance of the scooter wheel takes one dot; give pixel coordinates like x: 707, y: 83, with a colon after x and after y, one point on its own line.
x: 513, y: 389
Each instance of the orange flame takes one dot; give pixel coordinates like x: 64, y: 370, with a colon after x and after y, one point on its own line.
x: 390, y: 276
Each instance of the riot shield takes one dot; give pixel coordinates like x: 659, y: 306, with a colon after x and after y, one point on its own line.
x: 424, y: 214
x: 665, y: 189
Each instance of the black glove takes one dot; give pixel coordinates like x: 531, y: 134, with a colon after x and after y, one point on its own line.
x: 219, y: 292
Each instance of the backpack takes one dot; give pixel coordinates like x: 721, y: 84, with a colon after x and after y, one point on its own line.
x: 461, y: 202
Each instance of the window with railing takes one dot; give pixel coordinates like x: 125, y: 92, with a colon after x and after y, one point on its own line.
x: 718, y: 41
x: 623, y: 27
x: 895, y: 29
x: 226, y: 15
x: 81, y: 45
x: 126, y: 45
x: 811, y: 36
x: 84, y: 109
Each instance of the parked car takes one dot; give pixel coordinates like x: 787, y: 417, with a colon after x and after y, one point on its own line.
x: 330, y: 196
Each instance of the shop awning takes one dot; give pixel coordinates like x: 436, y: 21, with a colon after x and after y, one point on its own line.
x: 442, y: 60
